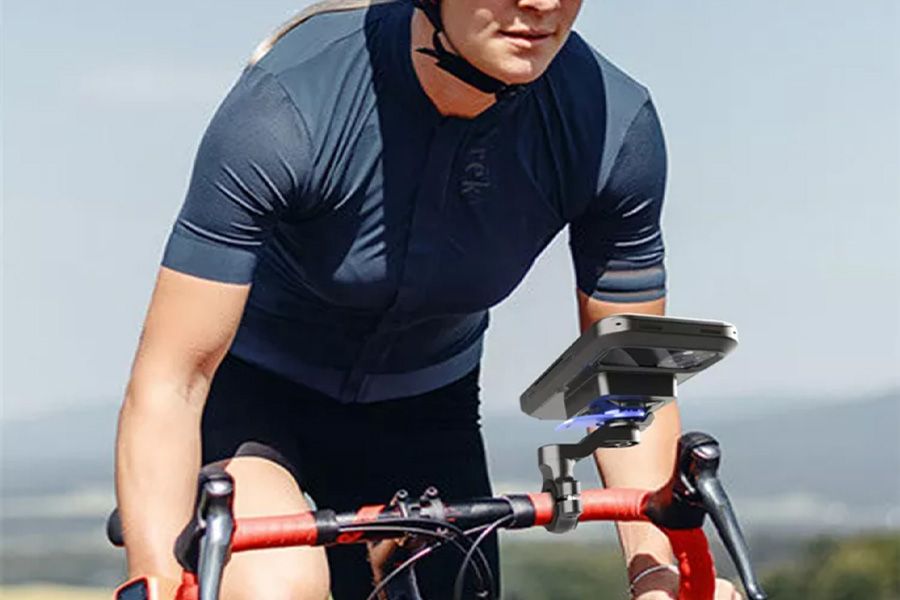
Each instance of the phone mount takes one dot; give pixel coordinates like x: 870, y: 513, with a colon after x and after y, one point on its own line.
x: 620, y: 416
x: 619, y: 372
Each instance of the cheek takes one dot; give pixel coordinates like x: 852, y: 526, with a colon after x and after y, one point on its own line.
x: 474, y: 34
x: 572, y: 14
x: 481, y: 25
x: 569, y: 12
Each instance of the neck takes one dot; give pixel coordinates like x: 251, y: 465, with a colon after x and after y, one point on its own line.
x: 450, y: 96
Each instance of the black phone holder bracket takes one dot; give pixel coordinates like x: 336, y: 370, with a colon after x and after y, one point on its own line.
x: 643, y: 391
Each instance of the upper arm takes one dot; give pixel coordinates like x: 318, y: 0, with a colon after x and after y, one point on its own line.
x: 252, y: 167
x: 617, y: 245
x: 189, y: 326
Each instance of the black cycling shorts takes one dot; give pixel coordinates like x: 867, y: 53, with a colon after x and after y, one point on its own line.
x: 350, y: 455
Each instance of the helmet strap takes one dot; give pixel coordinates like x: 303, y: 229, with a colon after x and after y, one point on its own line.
x: 432, y: 10
x: 455, y: 64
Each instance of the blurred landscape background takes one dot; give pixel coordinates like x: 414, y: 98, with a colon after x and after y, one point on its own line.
x: 817, y: 492
x: 782, y: 216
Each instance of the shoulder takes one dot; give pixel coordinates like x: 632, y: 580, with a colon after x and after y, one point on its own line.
x: 599, y: 100
x: 593, y: 83
x: 323, y: 31
x: 328, y: 60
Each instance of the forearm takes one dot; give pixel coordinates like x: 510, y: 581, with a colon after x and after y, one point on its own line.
x: 157, y: 460
x: 649, y: 465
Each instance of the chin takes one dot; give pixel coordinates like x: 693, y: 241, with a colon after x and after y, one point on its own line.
x: 519, y: 72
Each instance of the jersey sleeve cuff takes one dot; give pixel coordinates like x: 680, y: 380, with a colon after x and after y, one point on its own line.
x: 632, y: 285
x: 192, y: 255
x: 626, y: 297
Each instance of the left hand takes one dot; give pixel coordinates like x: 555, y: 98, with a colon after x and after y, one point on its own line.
x: 663, y: 585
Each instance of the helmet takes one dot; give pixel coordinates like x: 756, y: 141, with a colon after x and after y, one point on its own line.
x: 455, y: 64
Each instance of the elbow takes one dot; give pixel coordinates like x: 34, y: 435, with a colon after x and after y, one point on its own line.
x: 157, y: 409
x: 150, y: 391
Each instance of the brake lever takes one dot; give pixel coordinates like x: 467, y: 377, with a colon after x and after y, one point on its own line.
x: 204, y: 545
x: 698, y: 461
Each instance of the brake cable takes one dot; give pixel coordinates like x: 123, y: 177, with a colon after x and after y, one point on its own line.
x: 484, y: 530
x: 461, y: 574
x: 458, y: 539
x: 402, y: 567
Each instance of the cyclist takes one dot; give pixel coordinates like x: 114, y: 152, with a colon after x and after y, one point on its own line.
x: 382, y: 173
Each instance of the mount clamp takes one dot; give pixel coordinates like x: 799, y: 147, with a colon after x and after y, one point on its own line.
x: 557, y: 465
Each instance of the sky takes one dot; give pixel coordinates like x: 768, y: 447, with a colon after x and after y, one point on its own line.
x: 782, y: 122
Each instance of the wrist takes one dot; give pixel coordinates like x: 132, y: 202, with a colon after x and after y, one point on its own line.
x: 648, y: 560
x: 650, y: 563
x: 656, y: 578
x: 644, y: 546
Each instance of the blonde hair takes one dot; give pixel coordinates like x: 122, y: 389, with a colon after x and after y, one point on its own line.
x: 326, y: 6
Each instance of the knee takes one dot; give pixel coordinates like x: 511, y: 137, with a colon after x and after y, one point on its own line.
x: 283, y: 590
x: 275, y: 579
x: 263, y: 487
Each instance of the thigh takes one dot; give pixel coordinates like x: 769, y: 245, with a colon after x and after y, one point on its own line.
x: 457, y: 475
x: 348, y: 456
x: 411, y: 444
x: 247, y: 428
x: 264, y: 488
x: 250, y: 412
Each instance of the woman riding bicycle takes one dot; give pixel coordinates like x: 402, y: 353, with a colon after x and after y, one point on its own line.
x: 381, y: 175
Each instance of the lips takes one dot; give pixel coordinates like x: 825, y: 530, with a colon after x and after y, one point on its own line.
x: 528, y: 34
x: 527, y: 39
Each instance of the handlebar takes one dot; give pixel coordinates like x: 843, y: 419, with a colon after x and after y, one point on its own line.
x: 678, y: 509
x: 326, y: 528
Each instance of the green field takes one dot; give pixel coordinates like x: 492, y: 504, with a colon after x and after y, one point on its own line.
x: 865, y: 567
x: 40, y: 592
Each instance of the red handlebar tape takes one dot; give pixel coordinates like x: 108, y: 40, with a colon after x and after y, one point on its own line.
x: 695, y: 563
x: 366, y: 514
x: 188, y: 589
x: 690, y: 546
x: 598, y: 505
x: 257, y: 533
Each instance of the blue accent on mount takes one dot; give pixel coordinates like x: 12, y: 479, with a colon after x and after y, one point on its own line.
x: 601, y: 411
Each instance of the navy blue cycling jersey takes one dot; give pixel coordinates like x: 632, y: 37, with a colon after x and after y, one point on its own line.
x: 377, y: 233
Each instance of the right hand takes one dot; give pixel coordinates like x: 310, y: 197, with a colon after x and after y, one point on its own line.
x: 161, y: 588
x: 168, y: 588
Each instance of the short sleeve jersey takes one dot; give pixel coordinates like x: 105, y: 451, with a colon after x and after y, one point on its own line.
x: 377, y: 233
